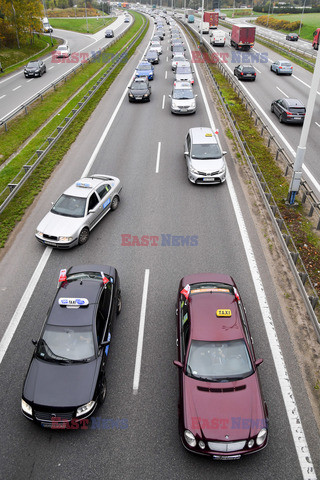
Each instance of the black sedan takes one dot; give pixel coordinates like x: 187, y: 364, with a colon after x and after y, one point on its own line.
x: 289, y: 110
x: 66, y: 379
x: 139, y: 90
x: 35, y: 69
x: 245, y: 72
x: 293, y: 37
x: 152, y: 56
x: 109, y: 34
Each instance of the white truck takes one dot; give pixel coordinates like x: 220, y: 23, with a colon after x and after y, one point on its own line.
x: 205, y: 27
x: 218, y: 37
x: 46, y: 25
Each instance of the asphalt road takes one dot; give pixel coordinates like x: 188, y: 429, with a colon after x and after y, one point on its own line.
x: 268, y: 87
x: 16, y: 90
x: 151, y: 204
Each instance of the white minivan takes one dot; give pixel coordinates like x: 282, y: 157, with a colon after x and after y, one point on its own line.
x: 217, y: 37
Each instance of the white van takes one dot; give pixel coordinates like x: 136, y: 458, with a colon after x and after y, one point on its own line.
x: 205, y: 27
x: 217, y: 37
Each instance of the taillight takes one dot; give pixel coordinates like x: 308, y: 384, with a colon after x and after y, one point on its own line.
x: 241, y: 73
x: 280, y: 67
x: 288, y: 113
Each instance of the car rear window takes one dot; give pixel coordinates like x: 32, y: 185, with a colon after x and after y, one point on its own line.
x: 297, y: 110
x: 211, y: 287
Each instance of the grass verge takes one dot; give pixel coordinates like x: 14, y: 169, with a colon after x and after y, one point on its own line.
x: 16, y: 209
x: 80, y: 24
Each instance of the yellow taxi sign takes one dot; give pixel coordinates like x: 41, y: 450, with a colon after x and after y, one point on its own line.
x: 208, y: 135
x: 223, y: 312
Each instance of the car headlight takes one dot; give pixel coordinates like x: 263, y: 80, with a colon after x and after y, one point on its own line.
x: 174, y: 105
x: 26, y: 407
x: 262, y: 435
x: 250, y: 443
x: 85, y: 408
x: 65, y: 239
x: 193, y: 170
x: 130, y: 95
x: 192, y: 104
x: 146, y: 95
x: 37, y: 71
x: 190, y: 438
x: 202, y: 445
x: 40, y: 234
x: 222, y: 169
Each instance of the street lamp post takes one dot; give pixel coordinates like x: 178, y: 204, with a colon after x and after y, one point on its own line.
x: 201, y: 22
x: 269, y: 12
x: 85, y: 7
x: 304, y: 4
x: 15, y: 21
x: 301, y: 150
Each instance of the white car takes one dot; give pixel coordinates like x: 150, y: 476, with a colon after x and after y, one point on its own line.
x: 63, y: 51
x: 179, y: 61
x: 78, y: 210
x: 183, y: 99
x: 156, y: 46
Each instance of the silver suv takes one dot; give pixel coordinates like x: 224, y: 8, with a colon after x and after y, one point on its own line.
x: 204, y: 156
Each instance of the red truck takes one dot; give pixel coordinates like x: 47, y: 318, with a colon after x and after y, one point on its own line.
x: 242, y: 36
x: 212, y: 18
x: 316, y: 36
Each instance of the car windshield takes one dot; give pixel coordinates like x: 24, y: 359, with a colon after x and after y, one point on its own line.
x: 33, y: 64
x: 219, y: 361
x: 62, y: 47
x: 179, y: 58
x: 66, y: 344
x: 143, y: 67
x: 70, y: 206
x: 139, y: 86
x: 152, y: 54
x: 248, y: 70
x: 285, y: 64
x: 183, y: 70
x: 206, y: 151
x: 182, y: 93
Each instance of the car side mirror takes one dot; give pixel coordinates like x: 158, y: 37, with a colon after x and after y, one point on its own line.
x: 259, y: 361
x: 224, y: 153
x: 195, y: 95
x: 177, y: 364
x: 186, y: 153
x: 92, y: 210
x: 35, y: 342
x: 169, y: 96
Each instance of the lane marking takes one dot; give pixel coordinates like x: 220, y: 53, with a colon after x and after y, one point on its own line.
x: 163, y: 100
x: 50, y: 68
x: 137, y: 368
x: 318, y: 125
x: 15, y: 320
x: 282, y: 92
x: 2, y: 96
x: 14, y: 89
x: 257, y: 69
x: 294, y: 419
x: 158, y: 157
x: 166, y: 75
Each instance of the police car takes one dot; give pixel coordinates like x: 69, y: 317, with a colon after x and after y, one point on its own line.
x: 66, y: 379
x: 78, y: 210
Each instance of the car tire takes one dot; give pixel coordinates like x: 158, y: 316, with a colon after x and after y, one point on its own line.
x: 83, y: 236
x: 119, y: 304
x: 281, y: 118
x: 277, y: 72
x: 40, y: 74
x: 103, y: 391
x: 115, y: 202
x: 272, y: 109
x: 271, y: 68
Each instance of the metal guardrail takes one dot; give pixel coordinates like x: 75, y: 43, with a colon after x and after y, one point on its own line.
x: 25, y: 172
x: 296, y: 264
x: 24, y: 106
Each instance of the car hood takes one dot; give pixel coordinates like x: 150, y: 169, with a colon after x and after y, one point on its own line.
x: 60, y: 385
x: 144, y: 73
x: 208, y: 166
x: 32, y: 69
x: 183, y: 101
x: 59, y: 226
x: 135, y: 91
x: 214, y: 410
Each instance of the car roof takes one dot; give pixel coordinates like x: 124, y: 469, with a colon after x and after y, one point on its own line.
x: 84, y: 186
x: 202, y: 135
x: 182, y: 86
x: 293, y: 102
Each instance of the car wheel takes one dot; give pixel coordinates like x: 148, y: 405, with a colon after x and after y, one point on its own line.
x: 103, y: 391
x: 115, y: 202
x: 272, y: 109
x: 119, y: 304
x: 277, y: 72
x: 271, y: 68
x: 84, y: 235
x: 40, y: 73
x: 281, y: 120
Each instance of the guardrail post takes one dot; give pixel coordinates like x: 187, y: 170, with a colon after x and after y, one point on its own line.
x: 279, y: 151
x: 294, y: 257
x: 303, y: 277
x: 39, y: 152
x: 313, y: 301
x: 12, y: 186
x: 26, y: 168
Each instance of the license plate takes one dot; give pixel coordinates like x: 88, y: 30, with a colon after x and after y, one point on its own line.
x: 139, y: 98
x: 222, y: 457
x: 208, y: 179
x: 51, y: 244
x: 297, y: 118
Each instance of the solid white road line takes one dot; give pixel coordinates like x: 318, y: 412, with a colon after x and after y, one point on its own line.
x: 166, y: 75
x: 137, y: 368
x: 282, y: 92
x: 14, y: 322
x: 294, y: 419
x: 158, y: 157
x: 163, y: 101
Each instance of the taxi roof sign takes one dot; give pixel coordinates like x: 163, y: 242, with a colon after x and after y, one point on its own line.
x: 223, y: 312
x: 83, y: 184
x: 73, y: 302
x: 208, y: 135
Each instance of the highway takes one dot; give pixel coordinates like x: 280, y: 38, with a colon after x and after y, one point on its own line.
x: 142, y: 144
x: 268, y: 87
x: 16, y: 90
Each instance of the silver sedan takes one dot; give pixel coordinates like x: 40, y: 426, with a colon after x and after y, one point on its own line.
x: 78, y: 210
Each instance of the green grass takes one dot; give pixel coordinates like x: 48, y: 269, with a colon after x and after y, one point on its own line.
x: 310, y: 22
x: 80, y: 24
x: 15, y: 210
x: 14, y: 58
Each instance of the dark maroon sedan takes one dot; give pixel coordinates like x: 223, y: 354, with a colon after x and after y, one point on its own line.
x: 221, y: 409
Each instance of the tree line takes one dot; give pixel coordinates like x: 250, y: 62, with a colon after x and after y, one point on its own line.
x: 19, y: 19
